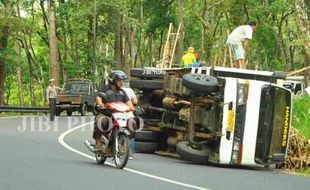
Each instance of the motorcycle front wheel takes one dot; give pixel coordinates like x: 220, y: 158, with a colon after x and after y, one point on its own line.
x: 121, y: 150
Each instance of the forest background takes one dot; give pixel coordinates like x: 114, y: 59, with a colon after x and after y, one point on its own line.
x: 64, y: 39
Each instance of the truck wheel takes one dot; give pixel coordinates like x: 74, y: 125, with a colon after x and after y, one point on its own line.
x: 147, y: 136
x: 200, y: 82
x: 192, y: 155
x: 146, y: 147
x: 69, y: 112
x: 147, y: 73
x: 83, y: 109
x: 147, y: 84
x: 279, y: 75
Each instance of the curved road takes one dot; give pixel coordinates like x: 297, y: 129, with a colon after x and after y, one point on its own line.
x: 38, y: 154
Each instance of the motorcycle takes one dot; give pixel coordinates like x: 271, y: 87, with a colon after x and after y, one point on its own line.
x: 116, y: 143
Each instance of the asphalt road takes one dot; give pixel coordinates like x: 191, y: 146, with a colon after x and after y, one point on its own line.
x: 37, y: 154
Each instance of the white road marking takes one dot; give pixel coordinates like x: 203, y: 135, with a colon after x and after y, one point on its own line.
x: 63, y: 143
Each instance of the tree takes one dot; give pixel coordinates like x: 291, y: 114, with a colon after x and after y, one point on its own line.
x: 180, y: 47
x: 4, y: 35
x: 303, y: 22
x: 53, y: 55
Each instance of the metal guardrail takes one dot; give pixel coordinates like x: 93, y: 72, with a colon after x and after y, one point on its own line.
x: 24, y: 109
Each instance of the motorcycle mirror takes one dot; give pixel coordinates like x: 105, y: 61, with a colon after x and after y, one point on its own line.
x: 102, y: 95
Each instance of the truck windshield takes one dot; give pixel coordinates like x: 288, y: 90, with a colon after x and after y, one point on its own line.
x: 76, y: 87
x: 274, y: 123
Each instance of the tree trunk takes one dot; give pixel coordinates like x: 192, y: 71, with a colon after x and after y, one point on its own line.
x: 44, y: 35
x: 118, y: 41
x: 4, y: 34
x: 30, y: 65
x: 64, y: 41
x: 303, y: 24
x: 94, y: 63
x: 41, y: 74
x: 53, y: 65
x: 19, y: 73
x: 180, y: 47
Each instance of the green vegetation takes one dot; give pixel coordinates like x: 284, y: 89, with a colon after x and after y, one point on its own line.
x: 95, y: 36
x: 301, y: 115
x: 305, y: 172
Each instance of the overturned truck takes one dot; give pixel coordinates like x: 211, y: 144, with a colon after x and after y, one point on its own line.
x: 219, y: 115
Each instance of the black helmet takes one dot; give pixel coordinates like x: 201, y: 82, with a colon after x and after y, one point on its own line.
x: 117, y: 75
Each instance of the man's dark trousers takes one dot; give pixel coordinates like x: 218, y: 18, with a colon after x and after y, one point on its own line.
x: 52, y: 107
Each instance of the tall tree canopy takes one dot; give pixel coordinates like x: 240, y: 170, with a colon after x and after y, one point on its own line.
x: 73, y: 38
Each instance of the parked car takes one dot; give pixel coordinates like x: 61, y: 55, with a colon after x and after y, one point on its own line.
x: 220, y: 115
x: 78, y: 95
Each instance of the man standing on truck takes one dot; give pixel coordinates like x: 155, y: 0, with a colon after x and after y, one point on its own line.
x: 51, y: 94
x: 189, y: 59
x: 238, y: 41
x: 112, y: 93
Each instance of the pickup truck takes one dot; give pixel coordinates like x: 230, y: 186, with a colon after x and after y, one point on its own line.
x: 77, y: 95
x: 219, y: 115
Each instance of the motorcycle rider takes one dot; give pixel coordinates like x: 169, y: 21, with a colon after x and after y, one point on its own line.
x: 109, y: 93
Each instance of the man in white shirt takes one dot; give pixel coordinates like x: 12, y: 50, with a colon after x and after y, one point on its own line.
x: 51, y: 94
x: 134, y: 100
x: 238, y: 41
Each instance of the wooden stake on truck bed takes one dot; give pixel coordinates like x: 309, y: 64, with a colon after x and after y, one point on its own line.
x: 169, y: 48
x: 298, y: 71
x: 230, y: 54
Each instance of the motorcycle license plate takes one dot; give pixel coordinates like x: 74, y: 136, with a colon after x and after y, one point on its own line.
x: 122, y: 118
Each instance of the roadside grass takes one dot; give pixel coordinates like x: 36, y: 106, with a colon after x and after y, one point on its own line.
x: 9, y: 114
x: 305, y: 172
x: 301, y: 115
x: 12, y: 114
x: 301, y: 121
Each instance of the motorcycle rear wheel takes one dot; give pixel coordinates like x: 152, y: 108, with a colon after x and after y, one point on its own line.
x: 121, y: 150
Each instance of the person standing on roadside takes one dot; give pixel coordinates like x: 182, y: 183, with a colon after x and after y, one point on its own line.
x: 134, y: 100
x: 238, y: 41
x: 51, y: 94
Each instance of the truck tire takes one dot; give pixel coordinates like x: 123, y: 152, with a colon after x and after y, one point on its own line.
x: 147, y: 84
x: 192, y: 155
x: 150, y: 136
x: 83, y: 109
x: 146, y: 147
x: 147, y: 73
x: 279, y: 75
x: 200, y: 82
x: 69, y: 112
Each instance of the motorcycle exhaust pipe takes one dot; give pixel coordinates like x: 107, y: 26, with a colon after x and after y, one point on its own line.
x: 89, y: 146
